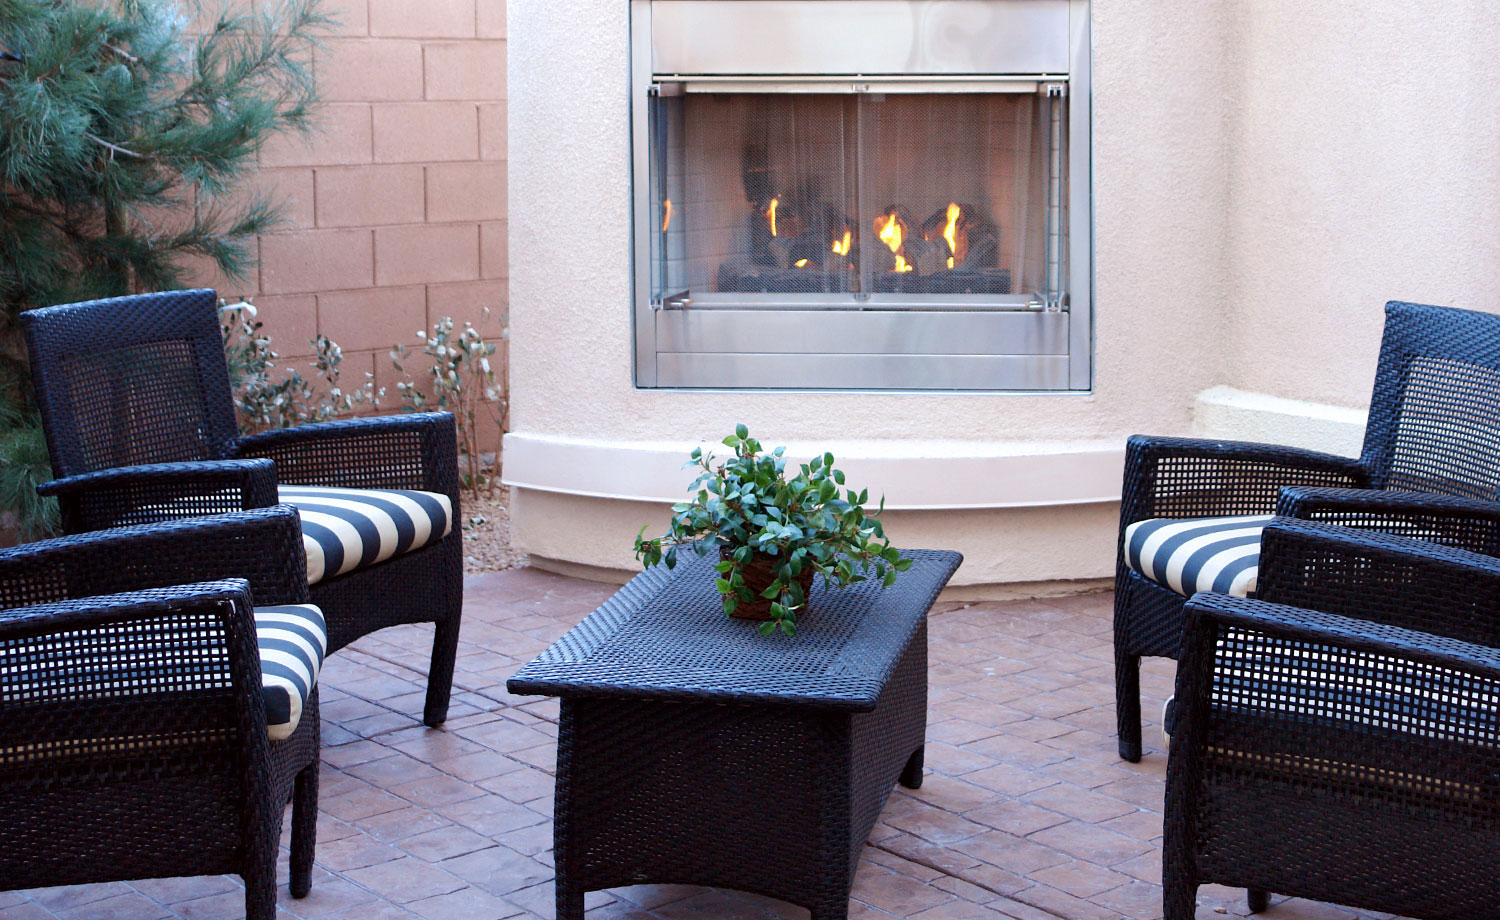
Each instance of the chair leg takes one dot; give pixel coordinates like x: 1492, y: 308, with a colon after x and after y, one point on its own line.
x: 1258, y: 899
x: 1179, y: 902
x: 911, y: 775
x: 260, y: 877
x: 440, y: 672
x: 1128, y: 705
x: 304, y: 829
x: 569, y: 903
x: 1179, y: 888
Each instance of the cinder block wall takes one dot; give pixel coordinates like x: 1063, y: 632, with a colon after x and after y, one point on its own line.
x: 397, y: 203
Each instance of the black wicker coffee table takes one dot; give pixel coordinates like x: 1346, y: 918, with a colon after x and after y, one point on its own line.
x: 693, y: 750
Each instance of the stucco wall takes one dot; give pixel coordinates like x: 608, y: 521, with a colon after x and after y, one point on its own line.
x: 1160, y: 271
x: 1364, y: 145
x: 1266, y: 176
x: 1157, y: 262
x: 397, y: 204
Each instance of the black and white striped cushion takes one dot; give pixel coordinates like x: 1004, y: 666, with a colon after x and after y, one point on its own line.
x: 1189, y: 555
x: 293, y: 640
x: 343, y: 529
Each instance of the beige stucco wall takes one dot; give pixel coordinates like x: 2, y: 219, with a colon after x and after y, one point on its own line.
x: 1159, y: 279
x: 569, y: 158
x: 396, y: 205
x: 1266, y: 176
x: 1364, y: 142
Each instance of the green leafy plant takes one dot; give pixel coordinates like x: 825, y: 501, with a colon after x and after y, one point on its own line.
x: 265, y: 400
x: 128, y: 131
x: 748, y: 504
x: 463, y: 381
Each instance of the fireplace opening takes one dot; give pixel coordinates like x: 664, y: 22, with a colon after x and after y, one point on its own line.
x: 868, y: 193
x: 897, y: 227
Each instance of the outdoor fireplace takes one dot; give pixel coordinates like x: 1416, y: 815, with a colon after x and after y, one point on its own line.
x: 862, y: 194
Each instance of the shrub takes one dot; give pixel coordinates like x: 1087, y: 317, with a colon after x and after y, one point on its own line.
x: 262, y: 400
x: 463, y: 381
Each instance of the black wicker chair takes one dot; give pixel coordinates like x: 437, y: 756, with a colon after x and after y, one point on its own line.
x: 1430, y: 468
x: 1338, y: 738
x: 134, y: 726
x: 134, y: 395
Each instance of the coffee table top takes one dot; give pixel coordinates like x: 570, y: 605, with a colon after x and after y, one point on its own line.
x: 664, y: 636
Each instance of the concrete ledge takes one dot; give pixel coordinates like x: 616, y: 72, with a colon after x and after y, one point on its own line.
x: 1224, y: 412
x: 912, y: 475
x: 961, y: 593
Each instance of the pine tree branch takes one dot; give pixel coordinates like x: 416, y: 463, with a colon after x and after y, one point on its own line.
x: 113, y: 148
x: 121, y: 52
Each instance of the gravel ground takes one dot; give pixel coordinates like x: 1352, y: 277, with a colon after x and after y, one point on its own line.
x: 487, y: 534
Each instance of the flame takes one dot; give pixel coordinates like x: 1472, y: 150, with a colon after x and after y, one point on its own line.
x: 800, y: 263
x: 892, y: 235
x: 950, y: 232
x: 666, y: 220
x: 888, y: 229
x: 841, y: 247
x: 771, y: 213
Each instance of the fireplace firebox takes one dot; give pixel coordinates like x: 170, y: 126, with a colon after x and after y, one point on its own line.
x: 862, y: 194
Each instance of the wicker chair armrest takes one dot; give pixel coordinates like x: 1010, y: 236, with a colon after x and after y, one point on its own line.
x: 414, y: 451
x: 1448, y: 519
x: 127, y: 606
x: 1195, y: 477
x: 263, y: 546
x: 1381, y: 578
x: 161, y: 492
x: 96, y: 666
x: 1209, y: 615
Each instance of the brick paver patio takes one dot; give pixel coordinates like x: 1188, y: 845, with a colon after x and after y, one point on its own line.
x: 1026, y: 812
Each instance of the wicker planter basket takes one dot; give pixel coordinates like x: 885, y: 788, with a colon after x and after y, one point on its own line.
x: 758, y: 573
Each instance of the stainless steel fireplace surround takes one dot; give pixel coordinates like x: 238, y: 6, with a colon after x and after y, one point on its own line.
x: 862, y: 194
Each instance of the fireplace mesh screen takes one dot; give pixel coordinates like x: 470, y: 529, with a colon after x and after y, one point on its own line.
x: 891, y: 194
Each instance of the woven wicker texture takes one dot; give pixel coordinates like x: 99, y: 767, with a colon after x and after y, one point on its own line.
x: 134, y: 395
x: 1429, y: 469
x: 1337, y: 753
x: 168, y: 771
x: 659, y: 638
x: 694, y: 750
x: 132, y: 380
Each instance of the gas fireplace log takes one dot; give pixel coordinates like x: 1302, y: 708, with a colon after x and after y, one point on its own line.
x: 947, y: 281
x: 745, y: 278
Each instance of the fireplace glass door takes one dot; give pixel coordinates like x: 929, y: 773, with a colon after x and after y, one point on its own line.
x: 861, y: 195
x: 866, y: 201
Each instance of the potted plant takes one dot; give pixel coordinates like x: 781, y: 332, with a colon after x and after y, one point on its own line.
x: 773, y: 533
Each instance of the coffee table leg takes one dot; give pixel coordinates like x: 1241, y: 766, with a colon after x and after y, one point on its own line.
x: 911, y: 777
x: 569, y: 895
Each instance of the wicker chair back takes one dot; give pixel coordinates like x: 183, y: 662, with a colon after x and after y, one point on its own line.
x: 1435, y: 413
x: 131, y: 380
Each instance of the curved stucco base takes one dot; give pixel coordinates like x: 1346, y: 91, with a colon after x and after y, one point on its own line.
x: 1005, y: 546
x: 577, y: 504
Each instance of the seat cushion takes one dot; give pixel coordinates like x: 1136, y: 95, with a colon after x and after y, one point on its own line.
x: 293, y: 640
x: 344, y: 529
x: 1189, y: 555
